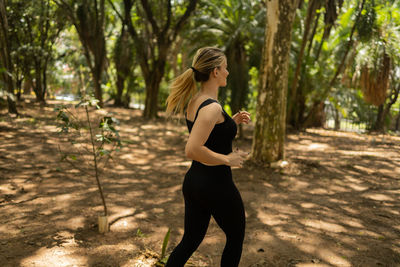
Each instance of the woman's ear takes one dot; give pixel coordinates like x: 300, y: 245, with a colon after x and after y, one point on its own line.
x: 215, y: 72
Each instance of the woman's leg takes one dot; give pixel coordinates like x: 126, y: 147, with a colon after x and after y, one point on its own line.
x: 196, y: 224
x: 229, y: 214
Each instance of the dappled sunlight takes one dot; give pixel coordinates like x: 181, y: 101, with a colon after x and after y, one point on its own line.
x: 335, y: 204
x: 320, y: 191
x: 325, y: 226
x: 308, y: 205
x: 318, y: 146
x: 296, y: 184
x: 71, y: 223
x: 178, y: 164
x: 124, y: 225
x: 379, y: 197
x: 332, y: 258
x: 372, y: 153
x: 54, y: 257
x: 272, y: 220
x: 357, y: 187
x: 10, y: 229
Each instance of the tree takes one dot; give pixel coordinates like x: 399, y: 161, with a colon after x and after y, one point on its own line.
x: 5, y: 57
x: 88, y: 140
x: 300, y: 82
x: 43, y: 23
x: 155, y: 28
x: 124, y: 61
x: 270, y: 125
x: 89, y: 18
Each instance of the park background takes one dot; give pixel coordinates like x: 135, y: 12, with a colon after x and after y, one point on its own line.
x: 83, y: 89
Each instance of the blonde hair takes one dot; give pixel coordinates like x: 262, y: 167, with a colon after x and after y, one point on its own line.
x: 184, y: 86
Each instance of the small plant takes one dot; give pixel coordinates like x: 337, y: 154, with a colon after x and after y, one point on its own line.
x: 90, y: 146
x: 163, y: 258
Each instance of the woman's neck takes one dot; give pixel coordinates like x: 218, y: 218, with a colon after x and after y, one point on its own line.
x: 210, y: 90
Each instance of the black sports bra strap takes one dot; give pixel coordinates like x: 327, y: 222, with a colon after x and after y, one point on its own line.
x: 205, y: 103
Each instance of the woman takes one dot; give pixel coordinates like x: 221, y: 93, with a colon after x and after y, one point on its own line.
x: 208, y: 188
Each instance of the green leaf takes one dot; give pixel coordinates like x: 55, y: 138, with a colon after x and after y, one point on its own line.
x: 139, y: 233
x: 73, y: 157
x: 103, y: 152
x: 165, y: 244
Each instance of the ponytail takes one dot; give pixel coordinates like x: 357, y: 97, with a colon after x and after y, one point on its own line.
x: 184, y: 86
x: 182, y: 89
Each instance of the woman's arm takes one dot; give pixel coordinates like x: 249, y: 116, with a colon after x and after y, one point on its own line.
x: 195, y: 148
x: 205, y: 122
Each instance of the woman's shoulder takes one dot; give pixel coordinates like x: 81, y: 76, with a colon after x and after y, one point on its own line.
x: 203, y: 104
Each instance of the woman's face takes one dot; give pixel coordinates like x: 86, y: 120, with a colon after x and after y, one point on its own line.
x: 222, y: 73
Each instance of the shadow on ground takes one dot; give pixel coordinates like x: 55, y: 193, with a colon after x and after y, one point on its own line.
x: 336, y: 204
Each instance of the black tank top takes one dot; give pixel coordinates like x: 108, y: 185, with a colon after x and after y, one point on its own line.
x: 222, y: 135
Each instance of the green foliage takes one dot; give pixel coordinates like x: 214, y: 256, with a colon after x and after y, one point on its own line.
x: 366, y: 24
x: 139, y: 233
x: 163, y: 258
x: 108, y: 133
x: 33, y: 29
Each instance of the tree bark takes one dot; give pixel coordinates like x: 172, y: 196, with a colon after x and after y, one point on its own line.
x: 6, y: 59
x: 397, y: 128
x: 38, y: 89
x: 270, y: 126
x: 384, y: 110
x: 152, y: 88
x: 379, y: 122
x: 238, y: 80
x: 123, y: 59
x: 337, y: 119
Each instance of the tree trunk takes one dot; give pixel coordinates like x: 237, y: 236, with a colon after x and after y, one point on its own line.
x: 123, y: 59
x: 318, y: 117
x: 379, y: 123
x: 337, y: 119
x: 38, y: 89
x: 238, y: 81
x: 313, y: 5
x: 384, y: 110
x: 120, y: 89
x: 270, y: 126
x: 6, y: 59
x: 152, y: 88
x: 397, y: 128
x: 44, y: 77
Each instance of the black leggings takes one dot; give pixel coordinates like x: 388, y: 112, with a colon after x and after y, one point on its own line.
x: 206, y: 196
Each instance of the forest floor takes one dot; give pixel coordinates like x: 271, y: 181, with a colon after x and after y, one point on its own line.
x: 337, y: 203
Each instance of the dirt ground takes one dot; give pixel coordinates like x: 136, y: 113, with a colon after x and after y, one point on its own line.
x: 336, y: 204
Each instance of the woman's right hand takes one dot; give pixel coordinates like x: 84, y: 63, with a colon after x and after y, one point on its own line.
x: 236, y: 158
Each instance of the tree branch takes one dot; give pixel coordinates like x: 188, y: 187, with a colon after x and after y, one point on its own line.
x: 168, y: 23
x: 116, y: 11
x: 142, y: 55
x: 70, y: 12
x: 190, y: 8
x: 150, y: 17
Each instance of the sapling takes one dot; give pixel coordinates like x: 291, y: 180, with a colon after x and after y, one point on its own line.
x: 99, y: 143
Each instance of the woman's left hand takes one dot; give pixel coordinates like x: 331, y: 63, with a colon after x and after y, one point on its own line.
x: 241, y: 117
